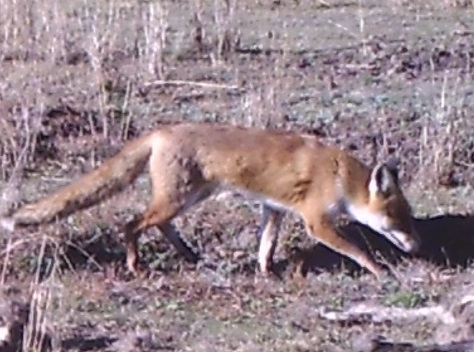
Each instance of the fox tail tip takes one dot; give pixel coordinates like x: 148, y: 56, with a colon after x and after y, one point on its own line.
x: 7, y: 224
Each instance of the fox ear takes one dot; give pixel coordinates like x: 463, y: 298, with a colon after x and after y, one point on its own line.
x: 383, y: 180
x: 392, y: 165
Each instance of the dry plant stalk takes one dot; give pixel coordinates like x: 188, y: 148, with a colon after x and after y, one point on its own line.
x: 262, y: 106
x: 35, y: 337
x: 224, y: 16
x: 224, y: 37
x: 154, y: 27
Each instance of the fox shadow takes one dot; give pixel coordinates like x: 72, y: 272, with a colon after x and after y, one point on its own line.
x: 446, y: 241
x: 95, y: 249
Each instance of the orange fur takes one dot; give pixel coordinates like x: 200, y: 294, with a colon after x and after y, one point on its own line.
x: 286, y: 170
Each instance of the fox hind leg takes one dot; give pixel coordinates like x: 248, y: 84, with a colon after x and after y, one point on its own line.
x: 158, y: 213
x: 161, y: 211
x: 172, y: 234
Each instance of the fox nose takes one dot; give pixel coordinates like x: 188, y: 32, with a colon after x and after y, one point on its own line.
x: 414, y: 242
x: 415, y: 246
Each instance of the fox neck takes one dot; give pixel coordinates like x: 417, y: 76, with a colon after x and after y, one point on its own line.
x: 354, y: 211
x: 362, y: 215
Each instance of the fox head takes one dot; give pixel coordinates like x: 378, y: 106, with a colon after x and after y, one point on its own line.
x: 387, y: 211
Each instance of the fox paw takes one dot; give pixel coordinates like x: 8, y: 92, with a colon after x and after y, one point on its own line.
x: 138, y: 271
x: 269, y: 274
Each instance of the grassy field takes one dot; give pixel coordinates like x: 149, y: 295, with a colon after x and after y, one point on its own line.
x: 79, y: 78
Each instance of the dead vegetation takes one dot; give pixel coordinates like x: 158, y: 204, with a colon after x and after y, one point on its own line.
x: 78, y: 78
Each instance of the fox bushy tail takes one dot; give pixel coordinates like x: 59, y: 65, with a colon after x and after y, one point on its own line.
x: 108, y: 179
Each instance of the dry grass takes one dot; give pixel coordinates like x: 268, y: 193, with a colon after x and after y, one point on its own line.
x: 77, y: 78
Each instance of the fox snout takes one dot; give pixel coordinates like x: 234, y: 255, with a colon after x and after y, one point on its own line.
x: 401, y: 233
x: 408, y: 242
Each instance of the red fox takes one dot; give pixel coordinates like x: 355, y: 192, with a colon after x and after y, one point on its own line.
x: 284, y: 170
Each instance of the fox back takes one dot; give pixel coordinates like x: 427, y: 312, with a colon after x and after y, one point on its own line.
x: 285, y: 170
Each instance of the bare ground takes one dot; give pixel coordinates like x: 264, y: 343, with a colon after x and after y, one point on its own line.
x: 78, y: 79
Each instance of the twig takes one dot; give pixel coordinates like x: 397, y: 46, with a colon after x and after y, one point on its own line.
x: 190, y: 83
x: 375, y: 313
